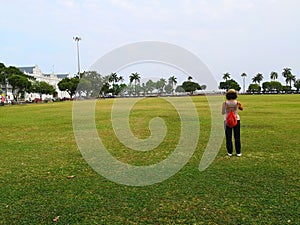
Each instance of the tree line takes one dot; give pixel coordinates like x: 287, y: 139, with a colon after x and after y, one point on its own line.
x: 272, y: 86
x: 93, y: 84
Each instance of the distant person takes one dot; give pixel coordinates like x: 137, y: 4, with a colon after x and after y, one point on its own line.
x: 231, y: 104
x: 2, y: 100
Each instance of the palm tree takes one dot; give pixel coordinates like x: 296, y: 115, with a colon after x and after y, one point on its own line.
x: 258, y: 78
x: 173, y: 82
x: 286, y: 74
x: 273, y: 76
x: 136, y: 78
x: 121, y: 78
x: 244, y: 75
x: 226, y: 76
x: 113, y: 77
x: 290, y: 78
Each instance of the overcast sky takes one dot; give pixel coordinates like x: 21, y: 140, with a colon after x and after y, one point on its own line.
x: 232, y: 36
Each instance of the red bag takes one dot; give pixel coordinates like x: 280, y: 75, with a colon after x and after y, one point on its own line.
x: 231, y: 120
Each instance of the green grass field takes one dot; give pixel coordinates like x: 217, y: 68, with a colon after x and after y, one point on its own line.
x: 39, y: 152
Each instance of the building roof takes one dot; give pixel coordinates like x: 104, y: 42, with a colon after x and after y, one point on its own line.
x: 29, y: 70
x: 61, y: 76
x: 26, y: 69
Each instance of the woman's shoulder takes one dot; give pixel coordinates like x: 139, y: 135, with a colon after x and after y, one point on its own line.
x: 231, y: 102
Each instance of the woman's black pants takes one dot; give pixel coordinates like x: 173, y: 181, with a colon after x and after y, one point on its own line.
x: 237, y: 138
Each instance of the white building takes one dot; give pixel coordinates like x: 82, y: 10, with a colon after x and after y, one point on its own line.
x: 51, y: 79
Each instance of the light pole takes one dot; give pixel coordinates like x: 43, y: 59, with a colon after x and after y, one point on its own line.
x: 77, y: 39
x: 244, y: 85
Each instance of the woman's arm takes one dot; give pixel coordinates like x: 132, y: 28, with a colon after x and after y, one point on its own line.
x: 240, y: 106
x: 223, y: 108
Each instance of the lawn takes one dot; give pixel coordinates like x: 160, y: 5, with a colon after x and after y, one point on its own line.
x: 43, y: 175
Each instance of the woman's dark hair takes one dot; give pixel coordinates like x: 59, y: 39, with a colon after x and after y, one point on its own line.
x: 231, y: 96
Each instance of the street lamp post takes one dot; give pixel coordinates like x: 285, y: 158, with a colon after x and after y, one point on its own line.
x: 244, y: 84
x: 77, y: 39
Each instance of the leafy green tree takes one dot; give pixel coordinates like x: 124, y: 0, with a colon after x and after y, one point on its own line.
x: 2, y: 73
x: 118, y: 89
x: 122, y: 88
x: 286, y: 89
x: 203, y: 87
x: 160, y: 84
x: 97, y: 82
x: 2, y: 66
x: 179, y: 89
x: 169, y: 89
x: 104, y: 87
x: 266, y: 86
x: 19, y: 81
x: 190, y: 86
x: 254, y: 88
x: 150, y: 86
x: 229, y: 84
x: 275, y: 86
x: 20, y: 84
x: 11, y: 70
x: 69, y: 85
x: 297, y: 85
x: 42, y: 87
x: 85, y: 86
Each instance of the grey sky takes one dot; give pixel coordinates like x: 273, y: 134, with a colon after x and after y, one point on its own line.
x: 232, y: 36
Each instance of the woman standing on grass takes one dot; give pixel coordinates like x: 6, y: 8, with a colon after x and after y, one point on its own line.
x: 231, y: 104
